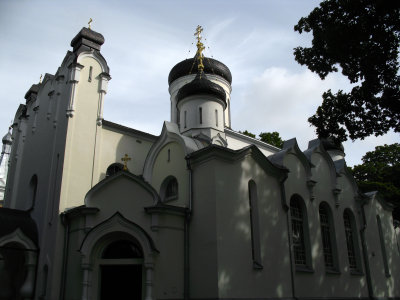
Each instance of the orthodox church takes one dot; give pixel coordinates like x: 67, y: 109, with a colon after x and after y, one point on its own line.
x: 96, y: 210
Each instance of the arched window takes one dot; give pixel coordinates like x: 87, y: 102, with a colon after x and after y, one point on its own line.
x: 352, y: 241
x: 32, y: 192
x: 383, y: 247
x: 114, y: 168
x: 300, y: 237
x: 328, y: 237
x: 254, y: 224
x: 169, y: 189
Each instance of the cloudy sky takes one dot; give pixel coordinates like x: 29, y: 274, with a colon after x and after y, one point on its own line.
x: 145, y: 39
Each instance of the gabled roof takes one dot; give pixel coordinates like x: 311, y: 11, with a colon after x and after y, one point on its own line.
x: 170, y: 133
x: 223, y: 153
x: 291, y: 147
x: 138, y: 179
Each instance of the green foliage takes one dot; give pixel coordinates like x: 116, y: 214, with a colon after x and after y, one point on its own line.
x: 248, y: 134
x: 380, y: 171
x: 272, y: 138
x: 360, y: 38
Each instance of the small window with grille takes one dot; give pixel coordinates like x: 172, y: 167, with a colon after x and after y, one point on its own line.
x: 169, y: 189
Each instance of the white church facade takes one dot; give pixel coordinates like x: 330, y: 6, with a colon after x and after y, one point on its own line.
x: 96, y: 210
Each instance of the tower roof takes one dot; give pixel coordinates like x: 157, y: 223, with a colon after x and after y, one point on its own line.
x: 189, y: 66
x: 88, y: 38
x: 201, y: 85
x: 7, y: 138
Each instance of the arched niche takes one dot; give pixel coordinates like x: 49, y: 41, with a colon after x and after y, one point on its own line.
x: 22, y: 253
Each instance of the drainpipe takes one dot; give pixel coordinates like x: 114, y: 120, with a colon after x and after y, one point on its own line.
x: 186, y: 263
x: 365, y: 253
x: 65, y: 222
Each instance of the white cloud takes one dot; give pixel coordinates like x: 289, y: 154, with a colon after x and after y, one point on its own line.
x: 280, y: 100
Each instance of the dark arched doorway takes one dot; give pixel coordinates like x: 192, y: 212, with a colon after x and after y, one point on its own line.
x: 121, y: 271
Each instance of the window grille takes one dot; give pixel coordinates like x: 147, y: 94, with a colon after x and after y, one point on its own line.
x: 172, y: 189
x: 351, y: 253
x: 296, y: 214
x: 326, y: 236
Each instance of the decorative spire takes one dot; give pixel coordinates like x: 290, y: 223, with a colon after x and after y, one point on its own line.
x: 40, y: 79
x: 200, y: 48
x: 90, y: 21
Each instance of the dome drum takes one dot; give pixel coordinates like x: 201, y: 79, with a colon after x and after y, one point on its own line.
x: 201, y: 111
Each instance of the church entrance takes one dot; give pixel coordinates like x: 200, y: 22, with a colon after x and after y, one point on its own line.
x: 121, y: 271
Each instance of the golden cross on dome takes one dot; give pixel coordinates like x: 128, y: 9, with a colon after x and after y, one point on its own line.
x: 90, y: 21
x: 200, y: 48
x: 125, y: 159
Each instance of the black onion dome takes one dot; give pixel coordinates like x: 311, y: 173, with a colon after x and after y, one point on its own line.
x: 330, y: 144
x: 189, y: 66
x: 201, y: 85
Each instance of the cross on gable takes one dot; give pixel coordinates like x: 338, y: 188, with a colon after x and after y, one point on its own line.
x: 125, y: 159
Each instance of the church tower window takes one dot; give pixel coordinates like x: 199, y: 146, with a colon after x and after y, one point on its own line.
x: 32, y: 192
x: 201, y: 115
x: 216, y: 118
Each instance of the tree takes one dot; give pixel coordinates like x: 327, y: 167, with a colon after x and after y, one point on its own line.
x: 272, y: 138
x: 252, y: 135
x: 380, y: 171
x: 361, y: 38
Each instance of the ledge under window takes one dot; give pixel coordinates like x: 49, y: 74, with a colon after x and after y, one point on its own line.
x: 333, y: 272
x: 170, y: 198
x: 304, y: 269
x: 356, y: 273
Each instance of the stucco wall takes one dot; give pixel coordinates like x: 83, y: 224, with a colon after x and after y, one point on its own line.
x: 174, y: 166
x: 221, y: 246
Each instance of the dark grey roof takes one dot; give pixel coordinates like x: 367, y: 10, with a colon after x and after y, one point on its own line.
x: 89, y: 38
x: 201, y: 85
x: 33, y: 90
x: 189, y: 66
x: 11, y: 219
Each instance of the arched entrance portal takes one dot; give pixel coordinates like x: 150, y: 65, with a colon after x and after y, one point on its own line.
x: 121, y: 271
x: 117, y: 252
